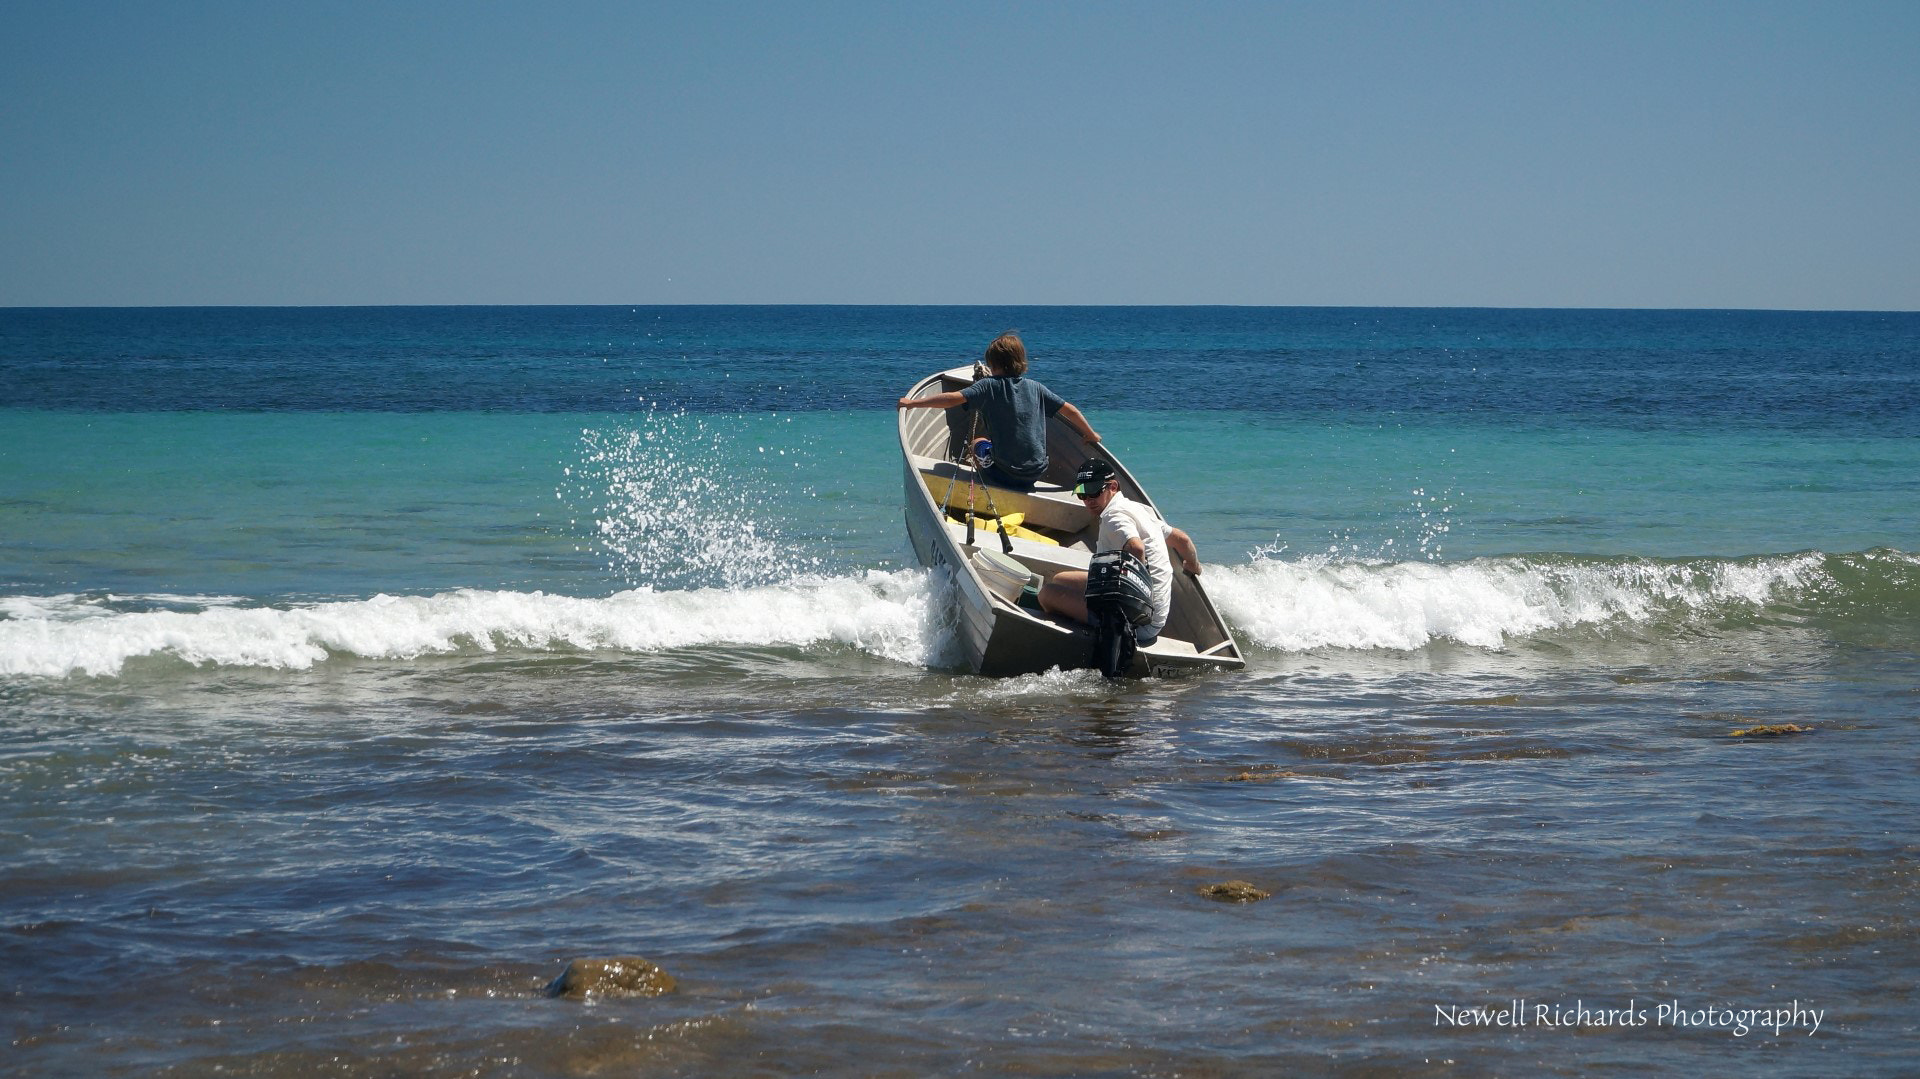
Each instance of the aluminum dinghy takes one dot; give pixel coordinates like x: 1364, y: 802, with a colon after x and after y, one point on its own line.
x: 1001, y: 634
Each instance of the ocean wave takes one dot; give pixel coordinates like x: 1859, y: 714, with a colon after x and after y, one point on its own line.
x: 891, y: 615
x: 1286, y: 605
x: 1319, y: 602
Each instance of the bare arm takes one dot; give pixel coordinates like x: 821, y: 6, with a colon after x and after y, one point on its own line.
x: 1078, y: 422
x: 1182, y: 544
x: 950, y: 399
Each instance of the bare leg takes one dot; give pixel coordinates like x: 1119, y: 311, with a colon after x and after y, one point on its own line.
x: 1066, y: 594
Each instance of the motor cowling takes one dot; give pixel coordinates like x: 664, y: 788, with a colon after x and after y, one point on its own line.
x: 1117, y: 578
x: 1119, y: 597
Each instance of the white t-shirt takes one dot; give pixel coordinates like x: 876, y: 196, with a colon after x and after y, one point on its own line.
x: 1123, y: 520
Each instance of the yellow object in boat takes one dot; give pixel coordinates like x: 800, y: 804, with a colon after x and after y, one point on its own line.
x: 1011, y: 525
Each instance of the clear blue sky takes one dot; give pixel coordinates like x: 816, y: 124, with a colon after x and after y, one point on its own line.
x: 1528, y: 154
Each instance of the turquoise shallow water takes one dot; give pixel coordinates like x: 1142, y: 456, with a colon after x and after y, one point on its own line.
x: 351, y: 504
x: 360, y: 668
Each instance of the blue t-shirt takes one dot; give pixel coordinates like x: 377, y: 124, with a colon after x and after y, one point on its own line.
x: 1016, y: 410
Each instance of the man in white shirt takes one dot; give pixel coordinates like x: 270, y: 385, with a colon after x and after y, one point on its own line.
x: 1124, y: 525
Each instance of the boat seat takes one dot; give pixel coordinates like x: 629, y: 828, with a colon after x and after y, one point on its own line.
x: 941, y: 471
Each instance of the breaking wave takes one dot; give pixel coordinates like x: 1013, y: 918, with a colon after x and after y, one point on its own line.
x: 1273, y: 604
x: 1319, y: 602
x: 891, y: 615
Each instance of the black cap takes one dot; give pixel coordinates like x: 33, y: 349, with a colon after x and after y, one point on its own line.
x: 1092, y: 478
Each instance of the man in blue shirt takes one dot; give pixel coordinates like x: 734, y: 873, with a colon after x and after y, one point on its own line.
x: 1016, y: 409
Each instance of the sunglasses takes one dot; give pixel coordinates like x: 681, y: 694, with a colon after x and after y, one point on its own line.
x: 1080, y: 491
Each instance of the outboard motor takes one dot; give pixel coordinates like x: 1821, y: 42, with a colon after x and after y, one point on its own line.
x: 1119, y: 597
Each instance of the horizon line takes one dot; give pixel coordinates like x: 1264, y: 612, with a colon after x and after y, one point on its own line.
x: 959, y: 306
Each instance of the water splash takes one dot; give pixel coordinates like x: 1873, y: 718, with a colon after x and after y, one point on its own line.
x: 1419, y: 530
x: 1434, y: 519
x: 672, y: 500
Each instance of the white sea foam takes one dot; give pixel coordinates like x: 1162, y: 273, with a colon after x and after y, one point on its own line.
x: 1052, y: 685
x: 887, y: 614
x: 69, y: 606
x: 1272, y: 603
x: 1318, y: 602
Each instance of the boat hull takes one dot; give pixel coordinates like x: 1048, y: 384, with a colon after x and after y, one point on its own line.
x: 1001, y: 638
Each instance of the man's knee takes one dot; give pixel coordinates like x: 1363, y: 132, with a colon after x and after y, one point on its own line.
x: 1065, y: 594
x: 1050, y: 596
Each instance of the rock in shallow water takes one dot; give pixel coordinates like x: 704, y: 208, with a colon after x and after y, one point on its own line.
x: 628, y: 976
x: 1234, y: 891
x: 1772, y: 730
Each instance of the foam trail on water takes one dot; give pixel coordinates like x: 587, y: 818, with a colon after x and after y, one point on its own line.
x: 1319, y: 602
x: 892, y: 615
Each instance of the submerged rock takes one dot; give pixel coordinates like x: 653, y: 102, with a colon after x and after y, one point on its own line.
x: 1268, y: 773
x: 1768, y: 730
x: 628, y: 976
x: 1234, y: 891
x: 1263, y: 774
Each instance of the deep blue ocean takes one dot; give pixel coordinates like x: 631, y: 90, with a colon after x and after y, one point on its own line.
x: 361, y: 667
